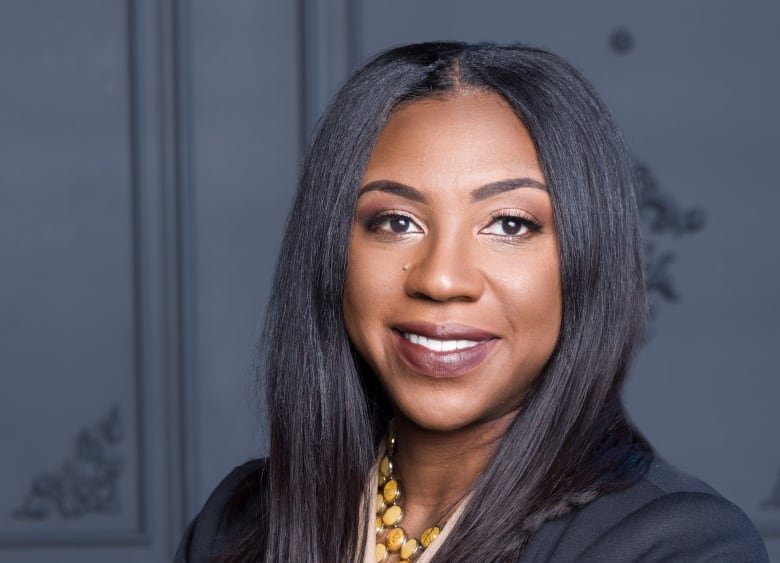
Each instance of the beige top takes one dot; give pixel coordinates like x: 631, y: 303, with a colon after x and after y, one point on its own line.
x: 369, y: 501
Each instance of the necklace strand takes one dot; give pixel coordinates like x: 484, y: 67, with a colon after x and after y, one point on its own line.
x: 389, y: 515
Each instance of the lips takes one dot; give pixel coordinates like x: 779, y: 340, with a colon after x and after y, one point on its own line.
x: 448, y: 350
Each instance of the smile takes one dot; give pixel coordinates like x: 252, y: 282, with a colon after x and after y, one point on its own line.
x: 438, y: 345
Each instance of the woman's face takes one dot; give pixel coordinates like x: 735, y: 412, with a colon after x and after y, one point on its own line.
x: 453, y: 291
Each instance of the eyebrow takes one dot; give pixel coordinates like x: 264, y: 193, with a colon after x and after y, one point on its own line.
x: 477, y: 194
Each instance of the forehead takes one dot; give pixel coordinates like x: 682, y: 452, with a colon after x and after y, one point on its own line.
x: 465, y: 140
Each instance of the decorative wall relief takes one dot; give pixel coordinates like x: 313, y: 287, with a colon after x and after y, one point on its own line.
x: 86, y: 483
x: 621, y: 41
x: 661, y: 216
x: 659, y: 213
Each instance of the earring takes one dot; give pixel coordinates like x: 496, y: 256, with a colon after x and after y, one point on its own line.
x: 406, y: 267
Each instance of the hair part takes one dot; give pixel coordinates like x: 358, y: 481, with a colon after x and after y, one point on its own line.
x: 571, y: 441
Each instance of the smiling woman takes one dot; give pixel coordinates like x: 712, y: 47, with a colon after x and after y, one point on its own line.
x: 456, y: 304
x: 454, y: 235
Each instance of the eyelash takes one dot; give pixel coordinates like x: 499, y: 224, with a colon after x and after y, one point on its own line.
x: 525, y: 221
x: 374, y: 223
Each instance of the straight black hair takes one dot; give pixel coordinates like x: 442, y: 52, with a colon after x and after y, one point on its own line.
x: 571, y: 440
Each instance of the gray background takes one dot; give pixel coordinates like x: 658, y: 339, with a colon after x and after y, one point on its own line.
x: 148, y: 155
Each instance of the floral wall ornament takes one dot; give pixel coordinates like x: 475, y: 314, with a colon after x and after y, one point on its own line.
x: 86, y: 483
x: 661, y: 216
x: 659, y: 212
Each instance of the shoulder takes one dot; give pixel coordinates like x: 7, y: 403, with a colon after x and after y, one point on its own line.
x: 666, y: 515
x: 226, y: 512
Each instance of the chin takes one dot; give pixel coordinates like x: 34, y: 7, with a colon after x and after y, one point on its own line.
x: 440, y: 416
x: 442, y: 419
x: 438, y: 424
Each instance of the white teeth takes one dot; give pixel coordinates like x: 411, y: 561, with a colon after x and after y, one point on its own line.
x: 439, y: 345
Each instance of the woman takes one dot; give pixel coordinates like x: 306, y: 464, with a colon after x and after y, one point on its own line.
x: 463, y: 260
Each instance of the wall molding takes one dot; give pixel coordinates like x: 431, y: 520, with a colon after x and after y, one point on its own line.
x: 331, y: 48
x: 181, y: 285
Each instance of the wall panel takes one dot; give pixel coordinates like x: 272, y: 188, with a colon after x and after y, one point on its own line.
x: 90, y: 292
x: 71, y: 311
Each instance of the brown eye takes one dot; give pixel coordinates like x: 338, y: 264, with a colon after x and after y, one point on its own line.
x: 508, y: 227
x: 394, y: 223
x: 512, y: 225
x: 399, y: 224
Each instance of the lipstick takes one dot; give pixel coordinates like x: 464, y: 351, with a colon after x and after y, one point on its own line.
x: 442, y: 350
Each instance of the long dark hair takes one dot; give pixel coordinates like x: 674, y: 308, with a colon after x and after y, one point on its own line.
x: 571, y: 441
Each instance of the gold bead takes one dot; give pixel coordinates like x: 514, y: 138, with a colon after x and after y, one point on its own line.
x: 390, y: 439
x: 380, y: 504
x: 381, y: 480
x: 381, y: 552
x: 392, y: 516
x: 379, y: 525
x: 395, y: 539
x: 391, y: 491
x: 429, y: 535
x: 410, y: 549
x: 386, y: 467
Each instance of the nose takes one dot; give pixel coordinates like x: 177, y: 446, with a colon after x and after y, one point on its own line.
x: 443, y: 270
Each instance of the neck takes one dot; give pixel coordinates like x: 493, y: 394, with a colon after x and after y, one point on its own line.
x: 439, y: 468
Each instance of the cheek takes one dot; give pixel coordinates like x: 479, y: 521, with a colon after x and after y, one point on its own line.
x: 533, y: 300
x: 351, y: 297
x: 367, y: 289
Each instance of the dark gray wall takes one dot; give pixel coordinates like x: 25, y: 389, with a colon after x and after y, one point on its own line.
x: 148, y: 154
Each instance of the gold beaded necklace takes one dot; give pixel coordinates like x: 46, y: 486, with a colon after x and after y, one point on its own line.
x: 389, y: 515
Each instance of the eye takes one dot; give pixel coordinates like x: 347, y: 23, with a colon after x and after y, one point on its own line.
x: 394, y: 223
x: 510, y: 226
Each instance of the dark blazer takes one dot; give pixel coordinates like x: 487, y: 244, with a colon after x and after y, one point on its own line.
x: 665, y: 516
